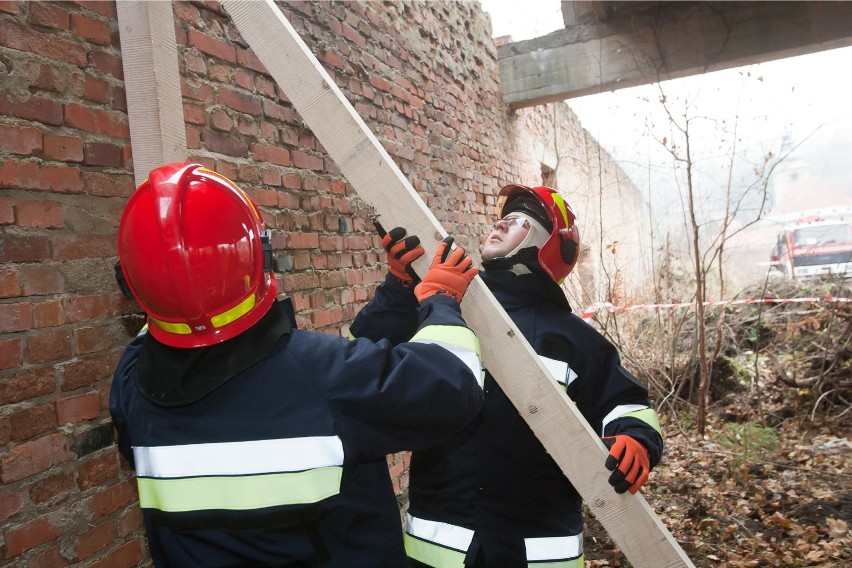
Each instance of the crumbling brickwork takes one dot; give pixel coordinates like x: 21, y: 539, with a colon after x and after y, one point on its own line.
x: 424, y: 77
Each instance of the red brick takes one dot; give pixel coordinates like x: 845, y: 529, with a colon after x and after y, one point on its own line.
x: 10, y: 6
x: 99, y: 7
x: 40, y: 280
x: 48, y: 45
x: 303, y: 240
x: 239, y: 101
x: 72, y: 247
x: 10, y: 286
x: 40, y: 214
x: 49, y: 346
x: 113, y: 498
x: 94, y: 339
x: 5, y: 431
x: 270, y: 154
x: 220, y: 120
x: 10, y: 504
x: 15, y: 248
x: 307, y: 161
x: 11, y: 353
x: 33, y: 457
x: 51, y: 487
x: 125, y: 556
x: 7, y: 211
x: 30, y: 536
x: 48, y: 314
x: 96, y: 306
x: 28, y: 175
x: 103, y: 154
x: 77, y: 408
x: 96, y: 121
x: 32, y: 422
x: 63, y: 148
x: 94, y: 540
x: 211, y: 46
x: 97, y: 470
x: 49, y: 15
x: 100, y: 184
x: 50, y: 78
x: 23, y: 140
x: 129, y: 522
x: 88, y: 371
x: 50, y: 558
x: 96, y: 31
x: 22, y: 386
x: 15, y: 317
x: 34, y: 107
x: 194, y: 114
x: 224, y: 144
x: 91, y: 88
x: 107, y: 63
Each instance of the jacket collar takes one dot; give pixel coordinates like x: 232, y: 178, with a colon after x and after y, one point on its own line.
x: 521, y: 290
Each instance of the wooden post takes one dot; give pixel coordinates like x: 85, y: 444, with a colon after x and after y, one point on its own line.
x: 540, y: 400
x: 152, y: 82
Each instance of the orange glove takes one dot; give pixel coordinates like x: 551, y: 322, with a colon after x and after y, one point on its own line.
x: 401, y: 253
x: 450, y: 273
x: 631, y: 458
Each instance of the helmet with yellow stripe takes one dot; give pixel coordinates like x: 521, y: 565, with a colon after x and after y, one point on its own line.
x: 558, y: 255
x: 194, y: 254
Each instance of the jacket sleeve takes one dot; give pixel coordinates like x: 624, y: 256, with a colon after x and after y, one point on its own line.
x: 387, y: 399
x: 611, y: 398
x: 391, y: 314
x: 119, y: 394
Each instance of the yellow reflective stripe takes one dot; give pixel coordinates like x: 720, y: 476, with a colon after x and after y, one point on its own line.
x: 351, y: 337
x: 239, y: 493
x: 452, y: 334
x: 433, y: 554
x: 176, y: 328
x: 574, y: 563
x: 648, y: 416
x: 639, y: 411
x: 560, y: 203
x: 234, y: 313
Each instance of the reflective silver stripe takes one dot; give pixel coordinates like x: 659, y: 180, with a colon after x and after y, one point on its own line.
x: 559, y: 369
x: 445, y: 534
x: 238, y: 458
x: 618, y: 412
x: 554, y: 548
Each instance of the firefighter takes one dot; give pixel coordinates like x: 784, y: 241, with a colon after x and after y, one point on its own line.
x: 491, y: 496
x: 255, y: 443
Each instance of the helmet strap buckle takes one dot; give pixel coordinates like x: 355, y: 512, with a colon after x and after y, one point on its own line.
x: 266, y: 247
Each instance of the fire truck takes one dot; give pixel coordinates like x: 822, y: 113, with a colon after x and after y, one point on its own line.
x: 814, y: 246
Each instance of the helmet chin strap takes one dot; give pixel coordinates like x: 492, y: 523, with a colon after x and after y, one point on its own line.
x: 525, y: 261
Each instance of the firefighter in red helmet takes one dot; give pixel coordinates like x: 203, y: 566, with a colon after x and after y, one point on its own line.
x: 491, y: 496
x: 255, y: 443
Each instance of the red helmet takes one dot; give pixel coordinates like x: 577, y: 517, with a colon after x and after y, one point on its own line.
x: 558, y: 255
x: 194, y: 254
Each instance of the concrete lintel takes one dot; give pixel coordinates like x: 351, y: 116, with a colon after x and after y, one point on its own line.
x: 671, y: 40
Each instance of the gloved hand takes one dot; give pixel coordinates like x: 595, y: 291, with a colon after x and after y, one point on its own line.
x: 630, y: 457
x: 402, y: 252
x: 450, y: 273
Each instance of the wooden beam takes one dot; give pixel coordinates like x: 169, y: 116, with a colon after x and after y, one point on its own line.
x: 538, y: 397
x: 666, y: 41
x: 152, y: 82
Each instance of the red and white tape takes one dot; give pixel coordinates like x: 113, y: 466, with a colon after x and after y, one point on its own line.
x: 597, y: 306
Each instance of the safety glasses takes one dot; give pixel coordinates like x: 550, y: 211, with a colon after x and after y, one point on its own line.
x: 509, y: 222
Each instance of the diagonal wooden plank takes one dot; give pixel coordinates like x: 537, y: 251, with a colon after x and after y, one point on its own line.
x: 369, y: 169
x: 152, y: 83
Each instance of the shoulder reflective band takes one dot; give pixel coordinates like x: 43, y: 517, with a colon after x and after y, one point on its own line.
x: 458, y: 340
x: 436, y: 544
x: 556, y: 551
x: 638, y: 411
x: 239, y: 475
x: 560, y: 370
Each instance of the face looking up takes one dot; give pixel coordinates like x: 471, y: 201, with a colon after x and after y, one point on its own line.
x: 506, y: 234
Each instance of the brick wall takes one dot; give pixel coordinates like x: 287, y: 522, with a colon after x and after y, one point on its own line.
x: 424, y: 77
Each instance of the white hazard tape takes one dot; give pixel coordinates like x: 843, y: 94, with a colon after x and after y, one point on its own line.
x: 597, y: 306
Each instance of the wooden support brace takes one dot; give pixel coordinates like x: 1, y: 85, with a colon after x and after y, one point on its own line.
x: 553, y: 417
x: 152, y: 82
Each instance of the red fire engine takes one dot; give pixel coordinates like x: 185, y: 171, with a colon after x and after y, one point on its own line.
x: 812, y: 247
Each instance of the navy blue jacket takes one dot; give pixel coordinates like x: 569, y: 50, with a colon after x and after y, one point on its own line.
x: 494, y: 477
x: 275, y: 384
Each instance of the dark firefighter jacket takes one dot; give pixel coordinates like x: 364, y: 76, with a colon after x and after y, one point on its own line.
x: 491, y: 495
x: 269, y: 449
